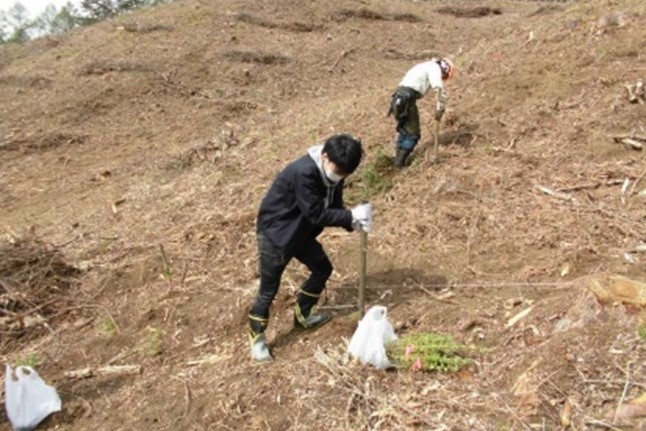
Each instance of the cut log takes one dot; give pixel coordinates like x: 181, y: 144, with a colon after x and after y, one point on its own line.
x: 617, y: 288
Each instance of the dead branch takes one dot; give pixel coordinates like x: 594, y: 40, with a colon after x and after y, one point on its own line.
x: 518, y: 317
x: 632, y: 143
x: 109, y: 370
x: 636, y: 92
x: 636, y: 136
x: 635, y: 142
x: 119, y: 369
x: 34, y: 280
x: 558, y: 195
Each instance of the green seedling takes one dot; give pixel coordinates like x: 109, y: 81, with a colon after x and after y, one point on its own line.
x: 105, y: 245
x: 374, y: 178
x: 107, y: 326
x: 429, y: 352
x: 152, y: 344
x: 30, y: 360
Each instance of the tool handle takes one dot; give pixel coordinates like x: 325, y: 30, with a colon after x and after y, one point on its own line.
x: 436, y: 139
x: 362, y: 271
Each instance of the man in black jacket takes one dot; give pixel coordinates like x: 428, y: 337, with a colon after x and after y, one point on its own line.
x: 305, y: 197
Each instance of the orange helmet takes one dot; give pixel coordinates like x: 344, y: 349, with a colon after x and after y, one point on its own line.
x: 448, y: 69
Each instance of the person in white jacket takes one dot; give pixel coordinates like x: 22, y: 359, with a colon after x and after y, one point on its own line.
x: 416, y: 83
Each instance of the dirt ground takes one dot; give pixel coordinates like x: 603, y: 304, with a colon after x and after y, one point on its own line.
x: 134, y: 154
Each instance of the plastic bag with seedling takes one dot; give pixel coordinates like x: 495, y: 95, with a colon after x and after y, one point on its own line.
x: 28, y: 399
x: 368, y: 343
x: 429, y: 351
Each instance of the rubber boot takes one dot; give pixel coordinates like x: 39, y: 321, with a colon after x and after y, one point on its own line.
x: 259, y: 348
x: 257, y: 339
x: 314, y: 320
x: 400, y: 157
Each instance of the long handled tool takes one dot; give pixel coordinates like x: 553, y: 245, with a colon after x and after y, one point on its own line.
x: 362, y: 271
x: 436, y: 143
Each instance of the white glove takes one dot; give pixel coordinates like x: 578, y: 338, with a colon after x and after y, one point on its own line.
x: 362, y: 217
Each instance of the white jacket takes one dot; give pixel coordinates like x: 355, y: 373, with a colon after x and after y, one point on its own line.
x: 423, y: 76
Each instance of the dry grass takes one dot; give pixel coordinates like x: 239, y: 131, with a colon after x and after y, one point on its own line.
x: 101, y: 67
x: 371, y: 15
x: 255, y: 57
x: 298, y: 27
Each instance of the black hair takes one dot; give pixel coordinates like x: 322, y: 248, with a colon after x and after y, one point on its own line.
x: 344, y: 151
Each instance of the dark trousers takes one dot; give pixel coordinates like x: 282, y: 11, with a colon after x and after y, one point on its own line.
x: 407, y: 117
x: 272, y: 264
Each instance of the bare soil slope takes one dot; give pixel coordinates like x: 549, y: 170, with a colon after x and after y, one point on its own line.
x: 134, y: 154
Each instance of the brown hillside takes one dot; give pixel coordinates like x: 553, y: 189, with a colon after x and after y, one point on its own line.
x: 134, y: 154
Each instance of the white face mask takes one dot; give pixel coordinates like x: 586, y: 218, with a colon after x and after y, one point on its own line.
x: 335, y: 178
x: 329, y: 173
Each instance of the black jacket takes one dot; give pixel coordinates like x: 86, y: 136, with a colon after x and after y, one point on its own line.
x: 299, y: 204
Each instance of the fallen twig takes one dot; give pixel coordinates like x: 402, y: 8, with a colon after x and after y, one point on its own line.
x: 635, y: 142
x: 632, y: 143
x: 636, y: 92
x: 629, y: 136
x: 511, y: 322
x: 558, y: 195
x: 108, y: 370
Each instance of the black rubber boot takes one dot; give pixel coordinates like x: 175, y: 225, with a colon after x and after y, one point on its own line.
x: 259, y: 349
x: 400, y: 157
x: 313, y: 320
x: 257, y: 339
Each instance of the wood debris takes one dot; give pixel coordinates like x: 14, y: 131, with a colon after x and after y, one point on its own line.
x: 635, y: 92
x: 553, y: 193
x: 518, y: 317
x: 109, y: 370
x: 632, y: 141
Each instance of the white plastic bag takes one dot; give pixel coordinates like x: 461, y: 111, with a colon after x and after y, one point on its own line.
x: 28, y: 399
x: 368, y: 342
